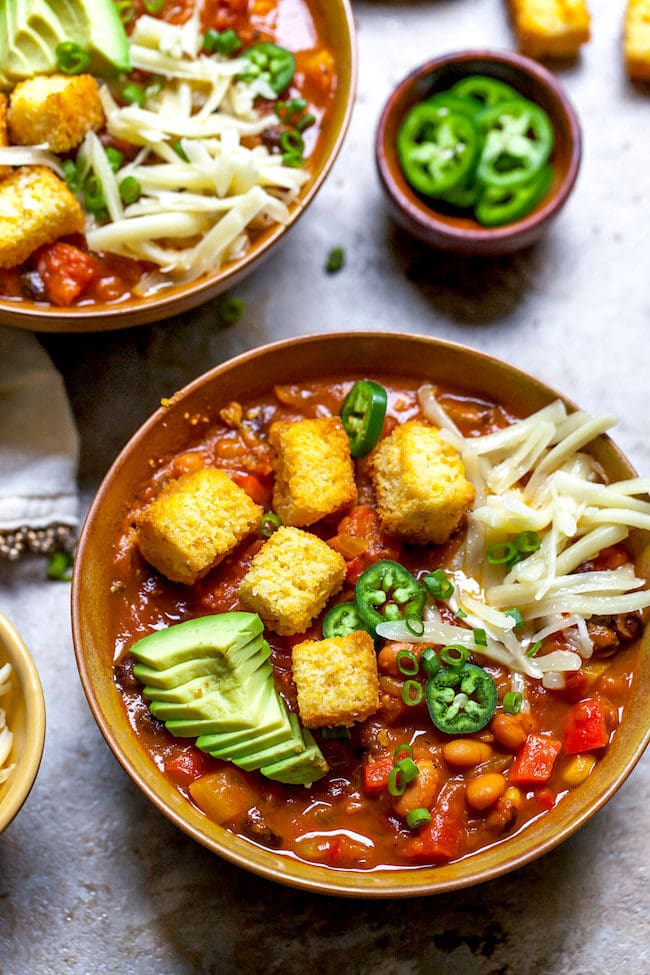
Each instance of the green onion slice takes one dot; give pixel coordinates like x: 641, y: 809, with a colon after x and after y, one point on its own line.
x: 396, y: 782
x: 418, y: 817
x: 130, y: 190
x: 269, y: 523
x: 154, y: 6
x: 534, y: 650
x: 480, y: 637
x: 115, y: 157
x: 335, y: 260
x: 414, y: 625
x: 408, y: 768
x: 515, y: 614
x: 412, y: 693
x: 512, y: 702
x: 125, y: 10
x: 429, y: 662
x: 528, y: 542
x: 230, y: 308
x: 502, y: 553
x: 438, y: 585
x: 402, y: 751
x: 454, y: 655
x: 71, y: 58
x: 407, y: 663
x: 133, y: 94
x: 59, y: 566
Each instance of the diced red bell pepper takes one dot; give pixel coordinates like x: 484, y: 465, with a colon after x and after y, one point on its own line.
x: 546, y: 797
x: 375, y: 775
x: 186, y: 767
x: 254, y: 488
x: 534, y: 761
x: 442, y: 838
x: 585, y: 728
x: 65, y: 271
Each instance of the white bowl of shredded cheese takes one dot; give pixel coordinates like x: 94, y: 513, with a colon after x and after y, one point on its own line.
x: 22, y: 722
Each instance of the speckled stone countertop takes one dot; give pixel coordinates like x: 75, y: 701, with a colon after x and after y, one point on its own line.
x: 93, y: 879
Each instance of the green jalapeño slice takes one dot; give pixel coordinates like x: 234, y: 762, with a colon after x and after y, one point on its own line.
x: 437, y: 148
x: 388, y: 592
x: 362, y: 416
x: 518, y: 142
x: 461, y: 700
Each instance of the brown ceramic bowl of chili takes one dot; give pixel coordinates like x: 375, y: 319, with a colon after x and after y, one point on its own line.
x: 454, y: 228
x: 473, y: 725
x: 161, y: 213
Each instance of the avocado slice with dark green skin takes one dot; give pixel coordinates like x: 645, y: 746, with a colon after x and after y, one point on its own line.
x: 302, y: 769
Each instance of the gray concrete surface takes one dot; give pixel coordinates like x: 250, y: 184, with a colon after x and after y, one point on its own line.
x: 93, y: 880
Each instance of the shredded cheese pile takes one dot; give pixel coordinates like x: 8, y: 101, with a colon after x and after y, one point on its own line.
x: 196, y: 212
x: 565, y: 501
x: 6, y: 737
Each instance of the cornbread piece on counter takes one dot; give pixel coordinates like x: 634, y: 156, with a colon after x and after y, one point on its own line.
x: 56, y: 109
x: 336, y: 680
x: 4, y: 135
x: 194, y: 523
x: 314, y: 474
x: 550, y: 28
x: 420, y: 485
x: 36, y: 208
x: 636, y: 41
x: 290, y: 580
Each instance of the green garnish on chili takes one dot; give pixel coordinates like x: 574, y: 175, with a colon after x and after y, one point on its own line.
x: 269, y: 63
x: 412, y: 693
x: 461, y: 700
x: 341, y: 620
x: 226, y: 43
x: 269, y: 523
x: 407, y: 663
x: 418, y: 817
x: 71, y: 58
x: 388, y: 591
x: 454, y: 655
x: 512, y: 702
x: 438, y: 585
x: 429, y: 662
x: 362, y: 415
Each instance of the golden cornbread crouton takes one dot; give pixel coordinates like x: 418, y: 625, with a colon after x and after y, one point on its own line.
x: 550, y: 28
x: 56, y: 109
x: 194, y: 523
x: 36, y: 208
x: 314, y: 474
x: 336, y: 680
x: 636, y: 42
x: 420, y: 484
x: 4, y: 136
x: 290, y: 580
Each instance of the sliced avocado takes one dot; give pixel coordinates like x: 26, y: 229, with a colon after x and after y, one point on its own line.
x: 196, y: 727
x: 217, y: 635
x: 234, y: 701
x: 302, y: 769
x: 37, y: 32
x: 273, y: 727
x: 294, y: 745
x: 201, y: 687
x: 201, y: 666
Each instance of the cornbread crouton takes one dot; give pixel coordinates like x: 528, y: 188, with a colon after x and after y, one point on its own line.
x: 290, y: 580
x: 636, y: 42
x: 314, y: 475
x: 4, y: 136
x: 420, y: 484
x: 336, y: 680
x: 194, y: 523
x: 36, y: 208
x: 550, y: 28
x: 56, y: 109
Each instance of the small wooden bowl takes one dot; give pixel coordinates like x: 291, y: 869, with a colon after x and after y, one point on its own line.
x: 170, y: 430
x: 25, y: 710
x: 461, y: 234
x: 338, y: 25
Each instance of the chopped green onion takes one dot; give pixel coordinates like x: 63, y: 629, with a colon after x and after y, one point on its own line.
x: 59, y: 565
x: 269, y: 523
x: 480, y: 637
x: 115, y: 157
x: 306, y: 122
x: 154, y: 6
x: 454, y: 655
x: 534, y: 650
x: 408, y: 768
x: 210, y: 39
x: 94, y: 198
x: 288, y: 111
x: 71, y: 58
x: 335, y: 260
x: 292, y: 141
x: 230, y: 308
x: 412, y: 692
x: 515, y: 614
x: 414, y: 625
x: 418, y: 817
x: 512, y: 702
x: 293, y: 160
x: 438, y: 585
x: 429, y: 662
x: 125, y: 10
x: 130, y: 189
x: 528, y: 542
x: 407, y: 663
x: 334, y: 734
x: 228, y: 43
x: 177, y: 146
x: 396, y: 782
x: 461, y: 614
x: 72, y: 176
x: 133, y: 94
x: 502, y: 553
x: 402, y: 751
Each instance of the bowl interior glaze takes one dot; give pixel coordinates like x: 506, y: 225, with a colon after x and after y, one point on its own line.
x: 25, y: 708
x: 166, y: 431
x: 338, y: 27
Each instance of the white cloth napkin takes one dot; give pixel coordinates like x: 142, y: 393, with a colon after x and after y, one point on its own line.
x: 39, y: 449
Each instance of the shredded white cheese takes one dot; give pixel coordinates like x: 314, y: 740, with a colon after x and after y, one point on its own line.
x: 6, y: 737
x: 532, y: 476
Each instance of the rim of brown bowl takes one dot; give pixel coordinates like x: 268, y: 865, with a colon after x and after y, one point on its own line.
x: 26, y: 720
x: 340, y: 30
x: 292, y: 360
x: 463, y: 235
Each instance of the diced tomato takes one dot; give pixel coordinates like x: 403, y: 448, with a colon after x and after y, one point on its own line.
x: 65, y: 270
x: 535, y: 759
x: 375, y: 775
x: 186, y: 767
x: 258, y: 492
x: 546, y: 797
x: 361, y: 541
x: 442, y: 838
x: 585, y: 728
